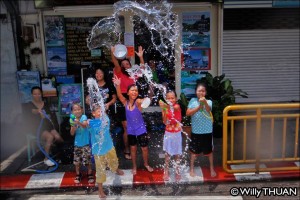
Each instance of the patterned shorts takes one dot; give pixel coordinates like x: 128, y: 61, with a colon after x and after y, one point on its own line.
x: 82, y: 155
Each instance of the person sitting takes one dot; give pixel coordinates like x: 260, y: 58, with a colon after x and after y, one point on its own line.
x: 34, y: 112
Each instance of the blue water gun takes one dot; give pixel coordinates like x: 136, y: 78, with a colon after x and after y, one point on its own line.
x: 72, y: 119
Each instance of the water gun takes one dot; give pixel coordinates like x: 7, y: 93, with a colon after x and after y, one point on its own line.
x: 72, y: 119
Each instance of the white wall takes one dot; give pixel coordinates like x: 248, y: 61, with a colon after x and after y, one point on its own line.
x: 10, y: 104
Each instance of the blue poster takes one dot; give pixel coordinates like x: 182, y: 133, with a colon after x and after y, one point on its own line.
x: 27, y: 80
x: 54, y: 31
x: 196, y: 29
x: 69, y: 94
x: 57, y: 61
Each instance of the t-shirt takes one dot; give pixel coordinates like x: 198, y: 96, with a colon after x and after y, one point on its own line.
x: 82, y: 134
x: 100, y: 136
x: 125, y: 81
x: 201, y: 120
x: 107, y: 90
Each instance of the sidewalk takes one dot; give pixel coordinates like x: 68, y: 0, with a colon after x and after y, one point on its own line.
x: 62, y: 180
x: 17, y: 176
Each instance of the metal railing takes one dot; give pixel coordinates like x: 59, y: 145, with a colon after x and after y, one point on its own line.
x: 259, y: 134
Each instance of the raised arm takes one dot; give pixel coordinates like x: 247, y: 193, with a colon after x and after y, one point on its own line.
x: 140, y: 54
x: 117, y: 83
x: 117, y: 67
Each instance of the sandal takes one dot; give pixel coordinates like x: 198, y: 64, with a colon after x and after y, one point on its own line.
x: 91, y: 178
x: 77, y: 179
x: 127, y: 155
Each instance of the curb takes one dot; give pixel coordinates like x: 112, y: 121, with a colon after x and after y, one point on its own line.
x: 61, y: 180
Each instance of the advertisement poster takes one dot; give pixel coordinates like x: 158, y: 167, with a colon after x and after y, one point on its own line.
x: 189, y: 81
x: 57, y: 61
x: 69, y: 94
x: 49, y: 86
x: 196, y: 29
x: 196, y: 59
x: 27, y: 80
x: 196, y: 56
x: 54, y: 31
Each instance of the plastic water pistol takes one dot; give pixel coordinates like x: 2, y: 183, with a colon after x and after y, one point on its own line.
x: 72, y: 119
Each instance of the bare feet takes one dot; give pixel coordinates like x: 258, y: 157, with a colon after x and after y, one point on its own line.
x: 149, y: 169
x: 192, y: 173
x: 213, y: 173
x: 102, y: 195
x: 177, y: 177
x: 134, y: 171
x: 120, y: 172
x: 166, y: 176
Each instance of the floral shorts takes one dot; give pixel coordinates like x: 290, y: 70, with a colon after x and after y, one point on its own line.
x: 82, y: 155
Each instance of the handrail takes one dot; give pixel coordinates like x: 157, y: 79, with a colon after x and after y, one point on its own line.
x: 285, y: 113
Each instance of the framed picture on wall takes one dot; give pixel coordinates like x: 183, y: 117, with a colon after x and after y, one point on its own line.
x: 49, y: 86
x: 68, y: 95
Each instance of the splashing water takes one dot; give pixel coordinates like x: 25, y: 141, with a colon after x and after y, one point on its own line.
x: 157, y: 17
x: 137, y: 71
x: 161, y: 21
x: 96, y: 100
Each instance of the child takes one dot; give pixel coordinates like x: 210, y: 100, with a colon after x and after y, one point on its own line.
x: 102, y: 148
x: 136, y: 129
x: 172, y: 139
x: 82, y: 150
x: 201, y: 138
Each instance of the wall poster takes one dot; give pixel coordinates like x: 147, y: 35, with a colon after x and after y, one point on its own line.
x: 196, y: 56
x: 27, y: 80
x: 57, y: 61
x: 49, y: 86
x: 55, y: 45
x: 68, y: 95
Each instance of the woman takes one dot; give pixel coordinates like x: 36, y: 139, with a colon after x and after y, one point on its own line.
x: 120, y: 72
x: 107, y: 90
x: 35, y: 111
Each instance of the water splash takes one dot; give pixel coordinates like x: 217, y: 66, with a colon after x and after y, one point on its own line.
x: 96, y: 100
x: 160, y: 21
x: 157, y: 16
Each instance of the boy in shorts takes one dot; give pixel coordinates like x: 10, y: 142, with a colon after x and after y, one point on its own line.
x: 102, y: 148
x: 82, y: 150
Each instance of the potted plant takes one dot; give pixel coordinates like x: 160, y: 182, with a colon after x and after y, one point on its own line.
x: 221, y: 92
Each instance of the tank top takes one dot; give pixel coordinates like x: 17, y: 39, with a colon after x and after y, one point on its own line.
x: 173, y: 120
x: 135, y: 122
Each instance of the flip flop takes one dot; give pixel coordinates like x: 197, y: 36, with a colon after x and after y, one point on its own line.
x: 127, y: 156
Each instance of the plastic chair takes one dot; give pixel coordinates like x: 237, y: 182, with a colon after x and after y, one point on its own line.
x: 31, y: 146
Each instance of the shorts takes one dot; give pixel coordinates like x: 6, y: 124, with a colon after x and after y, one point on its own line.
x: 110, y: 160
x: 142, y: 140
x: 121, y: 113
x: 172, y: 143
x: 82, y: 155
x: 201, y: 143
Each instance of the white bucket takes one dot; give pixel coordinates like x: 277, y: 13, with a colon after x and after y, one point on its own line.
x: 146, y: 102
x: 120, y: 51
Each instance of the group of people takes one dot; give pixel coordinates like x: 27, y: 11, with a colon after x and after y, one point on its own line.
x: 92, y: 133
